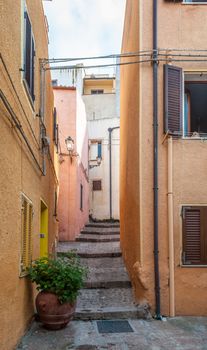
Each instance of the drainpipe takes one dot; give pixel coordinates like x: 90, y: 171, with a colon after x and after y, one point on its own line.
x: 155, y: 160
x: 170, y: 227
x: 110, y: 130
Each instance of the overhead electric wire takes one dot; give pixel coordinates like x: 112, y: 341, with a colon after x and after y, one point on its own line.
x: 96, y: 66
x: 130, y: 54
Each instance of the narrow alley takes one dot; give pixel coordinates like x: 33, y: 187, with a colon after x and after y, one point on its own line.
x: 106, y: 317
x: 103, y: 187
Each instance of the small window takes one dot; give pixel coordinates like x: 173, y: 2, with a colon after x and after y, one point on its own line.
x: 81, y: 197
x: 97, y: 92
x: 95, y: 149
x: 29, y: 55
x: 26, y: 249
x: 194, y: 235
x: 97, y: 185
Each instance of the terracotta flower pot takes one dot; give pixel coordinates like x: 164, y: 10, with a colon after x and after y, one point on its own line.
x: 52, y: 313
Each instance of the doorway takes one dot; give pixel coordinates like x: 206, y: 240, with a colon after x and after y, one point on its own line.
x: 43, y: 230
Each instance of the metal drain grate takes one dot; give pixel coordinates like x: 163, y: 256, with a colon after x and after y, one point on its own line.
x: 114, y: 327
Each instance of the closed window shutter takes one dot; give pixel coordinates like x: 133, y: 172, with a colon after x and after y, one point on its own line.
x: 194, y: 235
x: 28, y: 49
x: 54, y: 123
x: 32, y: 70
x: 173, y: 105
x: 26, y: 253
x: 29, y: 59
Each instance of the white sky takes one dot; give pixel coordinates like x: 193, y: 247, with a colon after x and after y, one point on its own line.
x: 84, y: 27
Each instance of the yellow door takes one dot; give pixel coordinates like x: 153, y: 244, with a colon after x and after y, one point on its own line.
x: 44, y: 230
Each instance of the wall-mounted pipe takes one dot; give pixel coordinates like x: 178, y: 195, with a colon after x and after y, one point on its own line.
x: 170, y: 227
x: 155, y: 161
x: 110, y: 130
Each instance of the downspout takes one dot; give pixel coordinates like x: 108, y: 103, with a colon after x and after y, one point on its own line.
x: 170, y: 227
x: 155, y: 161
x: 110, y: 130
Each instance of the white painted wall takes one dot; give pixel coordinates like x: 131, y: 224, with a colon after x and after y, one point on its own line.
x: 101, y: 111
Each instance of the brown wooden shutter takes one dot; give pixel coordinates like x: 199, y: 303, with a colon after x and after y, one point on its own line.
x: 195, y: 235
x: 28, y: 49
x: 32, y: 70
x: 173, y: 104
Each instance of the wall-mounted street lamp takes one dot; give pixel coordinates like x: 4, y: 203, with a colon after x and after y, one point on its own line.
x: 98, y: 163
x: 70, y: 145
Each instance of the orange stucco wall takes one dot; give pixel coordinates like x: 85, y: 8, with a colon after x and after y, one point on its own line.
x: 19, y: 173
x: 73, y: 170
x: 175, y: 22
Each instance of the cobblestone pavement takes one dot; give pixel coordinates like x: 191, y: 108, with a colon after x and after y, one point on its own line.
x: 180, y: 333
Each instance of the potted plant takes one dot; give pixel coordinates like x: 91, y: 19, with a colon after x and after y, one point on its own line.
x: 58, y: 281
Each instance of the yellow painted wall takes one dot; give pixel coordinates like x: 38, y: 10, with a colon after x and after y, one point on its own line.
x: 108, y: 85
x: 19, y: 173
x: 175, y: 22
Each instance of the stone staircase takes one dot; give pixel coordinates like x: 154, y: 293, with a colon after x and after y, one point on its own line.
x: 107, y: 292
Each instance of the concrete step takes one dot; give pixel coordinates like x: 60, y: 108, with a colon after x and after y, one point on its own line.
x: 97, y: 238
x: 91, y: 250
x: 107, y: 278
x: 103, y: 263
x: 114, y: 303
x: 103, y: 224
x: 100, y: 231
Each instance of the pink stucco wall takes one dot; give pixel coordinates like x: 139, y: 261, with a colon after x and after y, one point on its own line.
x: 73, y: 170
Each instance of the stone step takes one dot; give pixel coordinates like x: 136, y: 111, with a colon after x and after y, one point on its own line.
x: 91, y: 250
x: 103, y: 224
x: 97, y: 238
x: 103, y: 263
x: 107, y: 278
x: 114, y: 303
x: 100, y: 231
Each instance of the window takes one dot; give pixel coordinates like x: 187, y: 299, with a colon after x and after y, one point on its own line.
x: 81, y: 197
x: 95, y: 149
x: 97, y: 185
x: 194, y: 235
x: 97, y: 92
x: 29, y: 55
x: 185, y: 102
x: 195, y: 104
x: 26, y: 249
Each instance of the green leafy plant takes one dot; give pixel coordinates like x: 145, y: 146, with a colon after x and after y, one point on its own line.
x: 63, y: 276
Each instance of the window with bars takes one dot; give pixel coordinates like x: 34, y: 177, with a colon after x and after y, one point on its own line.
x: 29, y: 55
x: 194, y: 235
x: 97, y: 185
x: 26, y: 246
